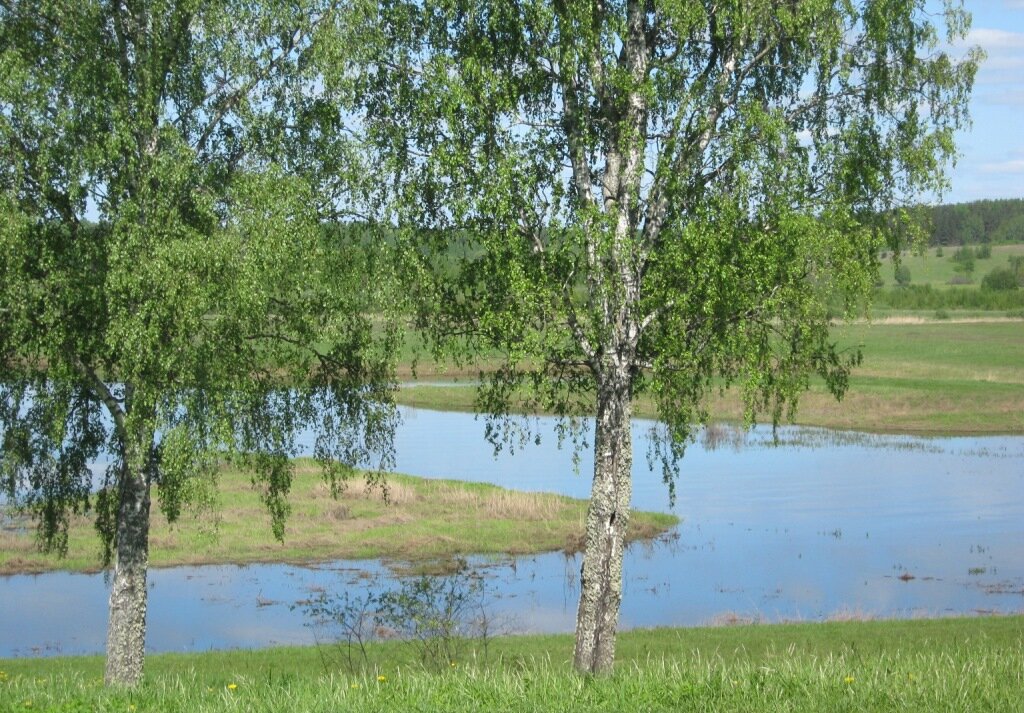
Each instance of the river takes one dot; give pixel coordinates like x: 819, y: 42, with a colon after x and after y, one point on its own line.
x: 821, y: 525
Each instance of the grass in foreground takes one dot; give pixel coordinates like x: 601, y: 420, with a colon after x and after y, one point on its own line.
x: 925, y: 378
x: 424, y: 522
x: 937, y: 665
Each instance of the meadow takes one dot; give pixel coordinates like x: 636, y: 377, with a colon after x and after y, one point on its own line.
x: 918, y: 376
x: 935, y: 265
x: 972, y: 664
x: 416, y: 523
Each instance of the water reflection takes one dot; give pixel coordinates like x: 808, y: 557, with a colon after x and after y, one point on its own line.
x: 823, y: 525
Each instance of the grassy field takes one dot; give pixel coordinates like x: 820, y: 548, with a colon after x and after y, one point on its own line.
x: 930, y: 268
x: 972, y: 664
x: 424, y: 522
x: 918, y: 376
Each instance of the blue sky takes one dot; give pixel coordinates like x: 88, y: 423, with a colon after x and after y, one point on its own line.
x: 991, y: 163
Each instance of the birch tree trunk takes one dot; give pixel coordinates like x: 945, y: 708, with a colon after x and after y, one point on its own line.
x: 607, y: 519
x: 126, y: 629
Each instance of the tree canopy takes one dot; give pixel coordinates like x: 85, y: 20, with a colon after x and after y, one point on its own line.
x: 628, y: 197
x: 977, y: 222
x: 168, y: 294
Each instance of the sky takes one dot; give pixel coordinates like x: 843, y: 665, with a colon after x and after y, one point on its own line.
x: 991, y: 163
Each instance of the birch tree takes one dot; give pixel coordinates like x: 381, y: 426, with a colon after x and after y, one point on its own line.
x: 659, y: 197
x: 167, y: 296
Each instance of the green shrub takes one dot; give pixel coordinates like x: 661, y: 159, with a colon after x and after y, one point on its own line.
x: 963, y: 254
x: 964, y: 268
x: 984, y: 251
x: 902, y: 275
x: 926, y: 297
x: 1001, y: 278
x: 1017, y: 265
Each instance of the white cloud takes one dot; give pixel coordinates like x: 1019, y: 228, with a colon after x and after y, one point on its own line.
x: 1014, y: 4
x: 1011, y: 166
x: 1004, y: 50
x: 993, y: 39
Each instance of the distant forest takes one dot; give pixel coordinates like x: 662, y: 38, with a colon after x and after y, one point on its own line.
x: 987, y: 221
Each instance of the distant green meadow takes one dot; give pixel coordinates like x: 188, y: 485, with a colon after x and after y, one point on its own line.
x: 918, y: 376
x: 929, y: 267
x: 974, y: 664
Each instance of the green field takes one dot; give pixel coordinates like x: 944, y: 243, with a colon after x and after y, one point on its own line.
x: 929, y: 268
x: 424, y: 523
x: 974, y: 664
x: 924, y: 377
x: 950, y: 368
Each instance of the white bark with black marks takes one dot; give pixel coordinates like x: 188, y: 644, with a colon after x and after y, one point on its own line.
x: 126, y: 630
x: 607, y: 520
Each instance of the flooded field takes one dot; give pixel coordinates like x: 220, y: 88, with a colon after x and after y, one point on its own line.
x: 822, y: 525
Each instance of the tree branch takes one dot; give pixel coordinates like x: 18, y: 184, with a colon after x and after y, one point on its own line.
x: 103, y: 392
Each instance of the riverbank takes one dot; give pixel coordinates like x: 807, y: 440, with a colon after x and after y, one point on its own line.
x: 417, y: 524
x: 972, y: 664
x: 917, y: 378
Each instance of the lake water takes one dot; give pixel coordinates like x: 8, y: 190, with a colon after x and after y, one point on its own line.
x: 822, y: 525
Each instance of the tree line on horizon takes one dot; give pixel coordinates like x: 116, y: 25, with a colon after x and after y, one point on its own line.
x: 982, y: 221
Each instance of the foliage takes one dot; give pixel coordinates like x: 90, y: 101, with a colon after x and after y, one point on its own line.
x: 167, y: 297
x: 439, y: 617
x: 963, y: 265
x: 964, y: 254
x: 926, y: 297
x: 902, y: 275
x: 650, y: 198
x: 984, y: 222
x: 165, y: 279
x: 1000, y: 279
x: 1016, y: 263
x: 478, y: 110
x: 1010, y: 231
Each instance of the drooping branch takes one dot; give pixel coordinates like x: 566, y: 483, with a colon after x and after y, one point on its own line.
x: 229, y: 101
x: 102, y: 391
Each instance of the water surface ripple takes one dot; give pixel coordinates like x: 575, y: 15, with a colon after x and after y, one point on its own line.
x: 822, y: 525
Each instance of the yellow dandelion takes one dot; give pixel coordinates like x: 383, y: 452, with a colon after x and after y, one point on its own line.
x: 453, y: 664
x: 131, y: 706
x: 848, y: 680
x: 354, y: 685
x: 3, y: 675
x: 381, y: 679
x: 232, y: 686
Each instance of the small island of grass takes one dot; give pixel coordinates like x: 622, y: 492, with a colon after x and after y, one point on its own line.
x: 416, y: 522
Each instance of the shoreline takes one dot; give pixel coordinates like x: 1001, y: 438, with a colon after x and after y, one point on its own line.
x: 425, y: 525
